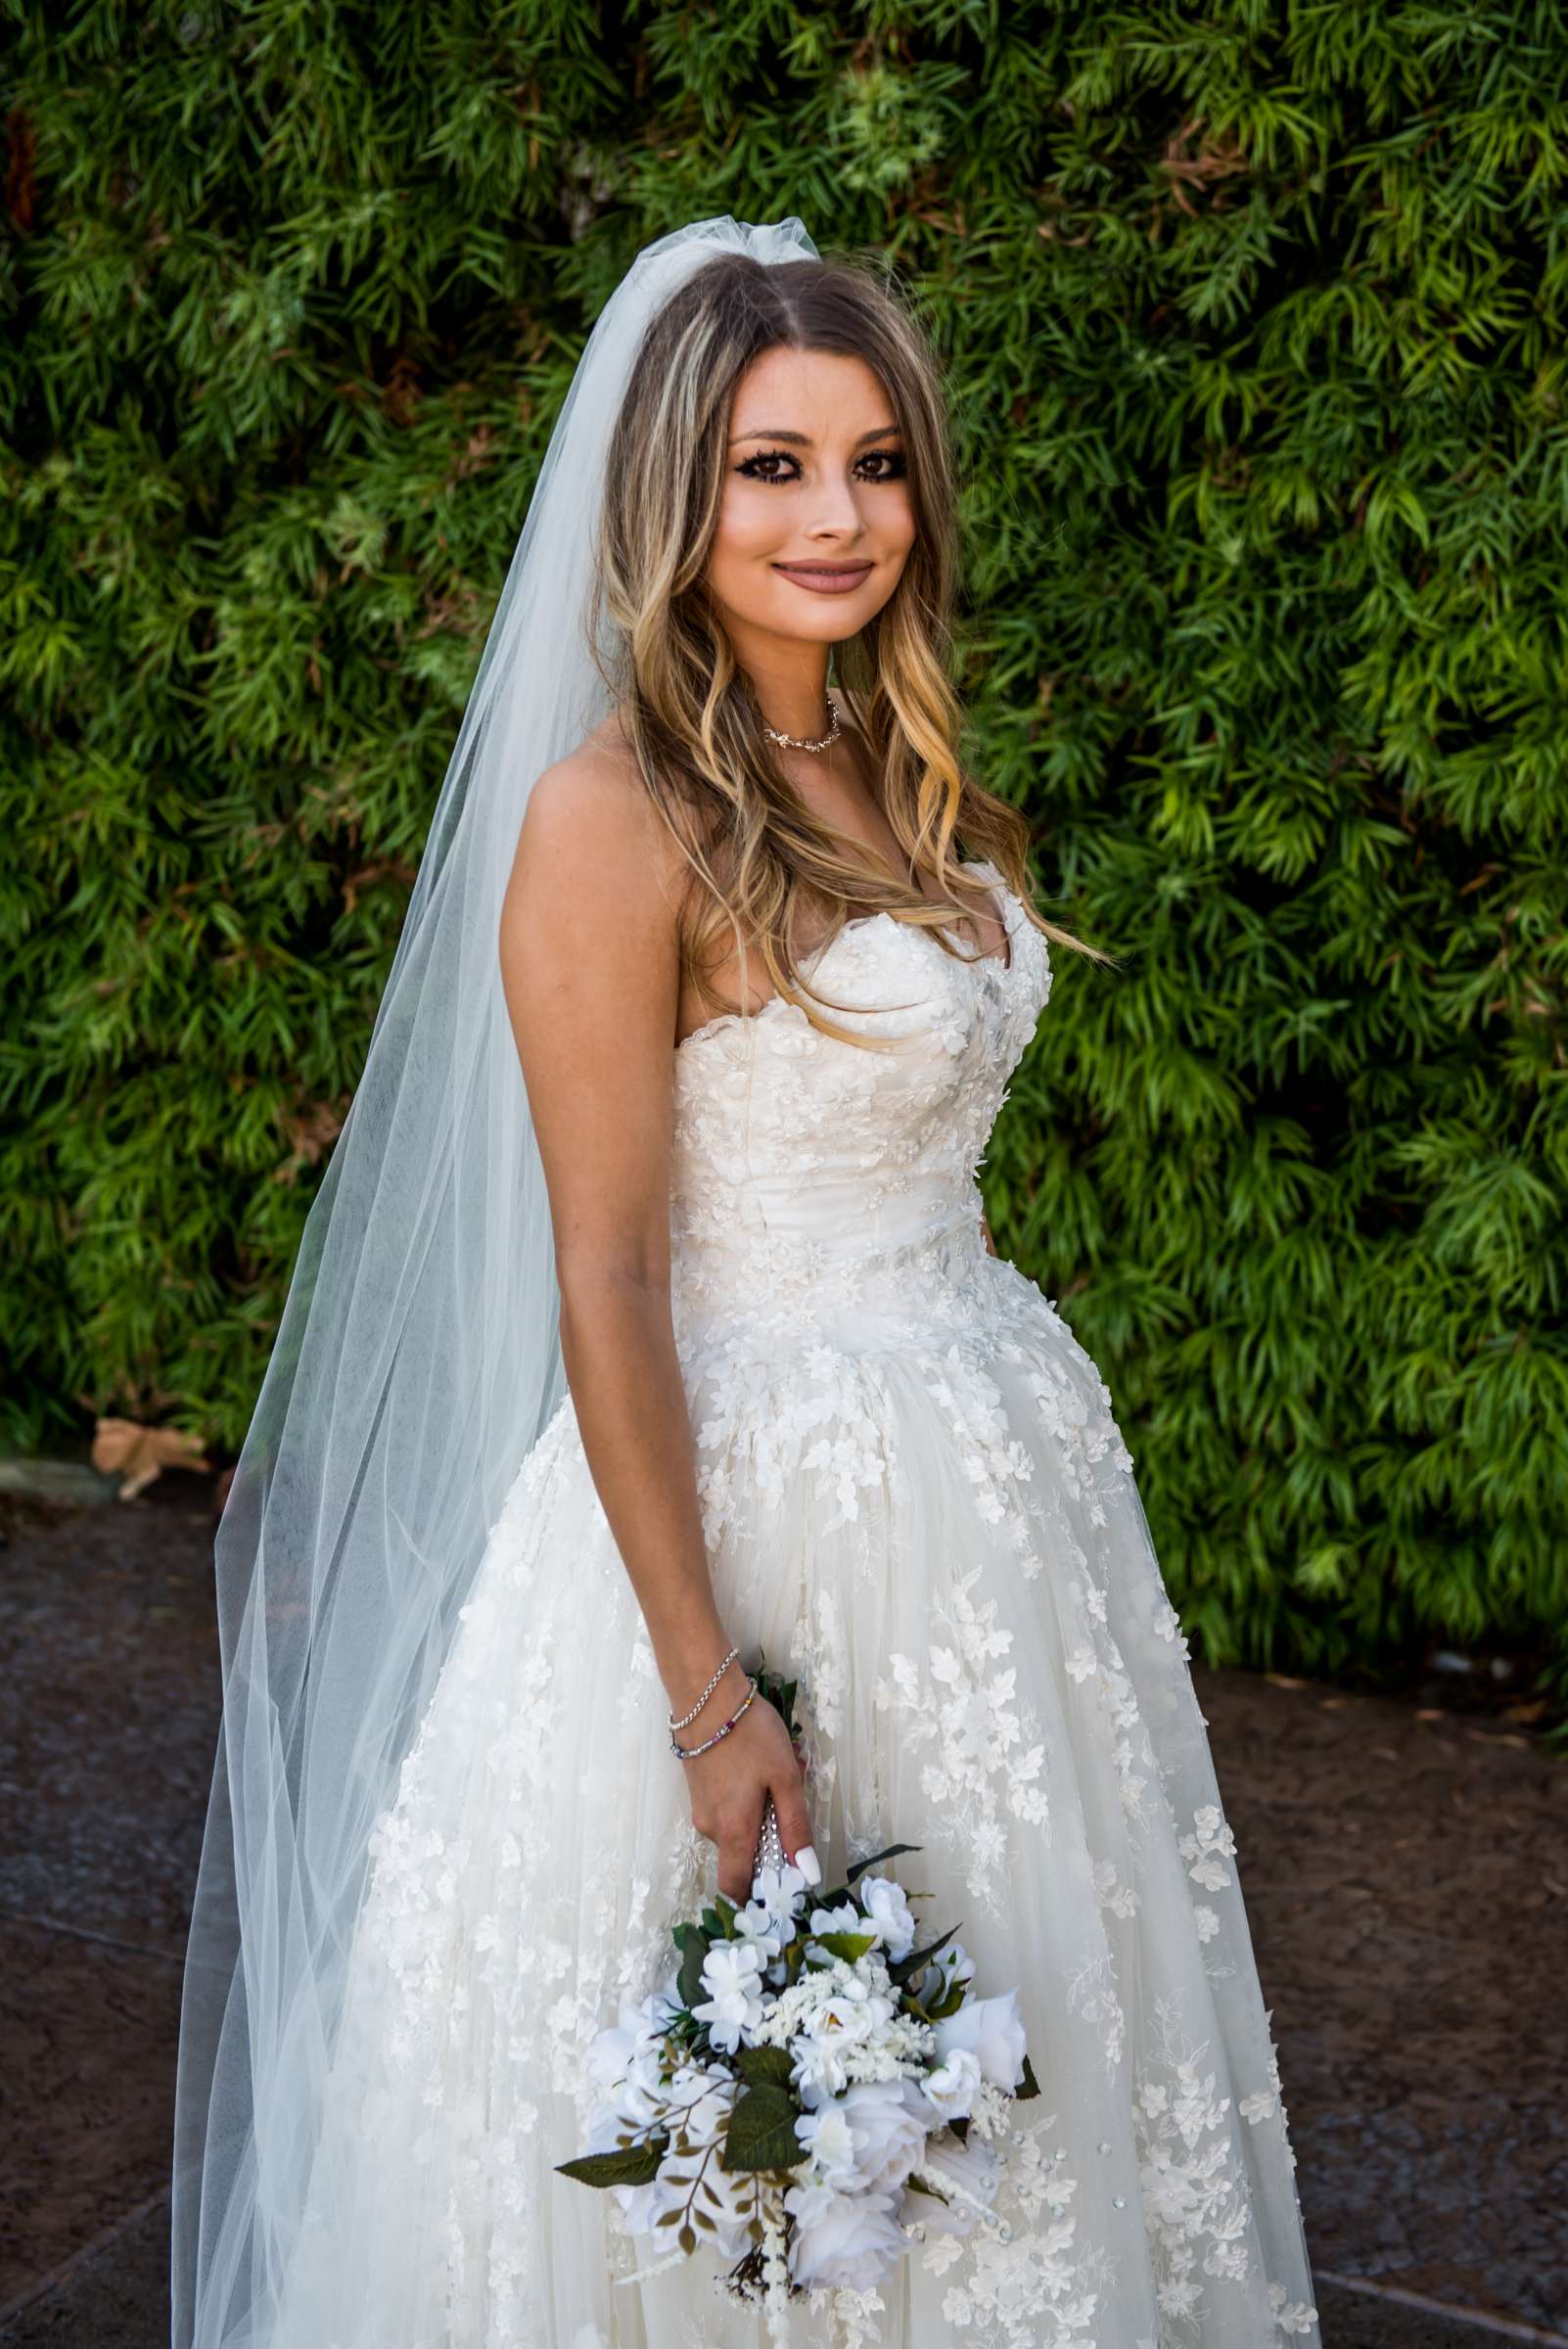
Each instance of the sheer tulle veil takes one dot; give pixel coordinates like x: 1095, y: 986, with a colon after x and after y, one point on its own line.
x: 416, y: 1361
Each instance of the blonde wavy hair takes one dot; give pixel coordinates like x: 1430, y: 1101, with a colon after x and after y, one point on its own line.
x: 687, y: 710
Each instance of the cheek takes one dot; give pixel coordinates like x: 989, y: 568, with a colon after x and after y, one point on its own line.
x: 751, y: 523
x: 898, y: 518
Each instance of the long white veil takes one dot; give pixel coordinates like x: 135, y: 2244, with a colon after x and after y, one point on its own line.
x: 415, y: 1364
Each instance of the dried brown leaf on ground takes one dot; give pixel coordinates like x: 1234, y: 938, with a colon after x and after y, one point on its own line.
x: 139, y: 1454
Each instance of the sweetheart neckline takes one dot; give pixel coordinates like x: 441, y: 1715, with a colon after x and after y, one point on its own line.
x: 862, y: 921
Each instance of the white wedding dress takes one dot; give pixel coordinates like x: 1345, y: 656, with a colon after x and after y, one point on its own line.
x: 916, y: 1499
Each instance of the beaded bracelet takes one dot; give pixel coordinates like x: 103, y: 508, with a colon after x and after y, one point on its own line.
x: 689, y: 1753
x: 705, y: 1694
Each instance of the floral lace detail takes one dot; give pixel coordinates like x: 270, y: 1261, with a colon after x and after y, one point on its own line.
x: 1195, y: 2200
x: 1039, y: 2288
x: 985, y: 1748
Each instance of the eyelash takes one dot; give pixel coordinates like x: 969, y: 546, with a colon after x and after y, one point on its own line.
x: 892, y: 457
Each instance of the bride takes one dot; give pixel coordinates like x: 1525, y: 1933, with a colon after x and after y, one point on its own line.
x: 646, y: 1327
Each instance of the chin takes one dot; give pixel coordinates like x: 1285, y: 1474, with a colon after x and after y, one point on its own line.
x: 819, y: 618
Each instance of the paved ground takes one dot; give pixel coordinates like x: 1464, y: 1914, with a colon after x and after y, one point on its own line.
x: 1406, y: 1869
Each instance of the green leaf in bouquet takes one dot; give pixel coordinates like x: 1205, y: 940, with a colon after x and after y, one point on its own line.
x: 847, y: 1946
x: 907, y: 1969
x: 693, y: 1957
x: 632, y: 2165
x: 765, y: 2067
x: 713, y: 1926
x: 1028, y: 2087
x: 762, y: 2132
x: 895, y: 1851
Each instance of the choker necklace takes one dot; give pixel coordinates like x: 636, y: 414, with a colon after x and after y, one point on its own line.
x: 790, y: 742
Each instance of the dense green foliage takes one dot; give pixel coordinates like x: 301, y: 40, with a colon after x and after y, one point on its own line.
x: 1255, y: 320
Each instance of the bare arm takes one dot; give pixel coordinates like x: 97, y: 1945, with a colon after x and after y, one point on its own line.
x: 590, y: 966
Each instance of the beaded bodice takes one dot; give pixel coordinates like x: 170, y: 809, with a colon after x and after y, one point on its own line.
x: 820, y: 1182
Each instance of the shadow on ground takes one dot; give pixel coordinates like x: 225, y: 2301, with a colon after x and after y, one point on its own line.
x: 1405, y: 1874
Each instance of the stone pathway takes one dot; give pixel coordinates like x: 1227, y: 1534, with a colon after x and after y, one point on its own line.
x: 1406, y: 1872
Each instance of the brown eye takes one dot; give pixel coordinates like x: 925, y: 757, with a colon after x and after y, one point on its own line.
x: 897, y: 465
x: 754, y: 467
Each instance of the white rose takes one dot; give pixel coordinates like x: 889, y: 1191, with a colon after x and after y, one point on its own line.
x: 844, y: 2241
x: 889, y: 2132
x: 955, y: 1964
x: 991, y: 2029
x: 888, y: 1909
x: 952, y: 2088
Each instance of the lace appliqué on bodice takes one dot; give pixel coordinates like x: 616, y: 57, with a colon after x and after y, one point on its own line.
x: 817, y: 1181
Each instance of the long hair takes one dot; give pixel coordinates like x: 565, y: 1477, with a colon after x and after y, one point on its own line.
x: 686, y: 707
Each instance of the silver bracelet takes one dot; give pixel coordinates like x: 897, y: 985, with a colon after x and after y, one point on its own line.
x: 689, y: 1753
x: 706, y: 1692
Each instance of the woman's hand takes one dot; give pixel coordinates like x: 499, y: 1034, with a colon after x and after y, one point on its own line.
x: 729, y: 1786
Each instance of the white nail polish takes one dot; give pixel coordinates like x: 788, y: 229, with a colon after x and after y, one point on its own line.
x: 810, y: 1866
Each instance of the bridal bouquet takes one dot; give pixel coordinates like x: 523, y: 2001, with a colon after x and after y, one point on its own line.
x: 804, y: 2081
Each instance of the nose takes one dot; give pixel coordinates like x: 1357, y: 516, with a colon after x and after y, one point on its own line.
x: 836, y: 512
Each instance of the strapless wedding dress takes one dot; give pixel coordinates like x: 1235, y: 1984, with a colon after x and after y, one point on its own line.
x: 917, y: 1498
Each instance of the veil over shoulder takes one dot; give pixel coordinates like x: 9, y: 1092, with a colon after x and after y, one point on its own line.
x: 416, y: 1361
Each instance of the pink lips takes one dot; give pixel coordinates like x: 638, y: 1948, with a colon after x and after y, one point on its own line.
x: 825, y: 579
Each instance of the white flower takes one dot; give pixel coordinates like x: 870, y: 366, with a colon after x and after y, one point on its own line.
x: 846, y: 1919
x: 780, y: 1891
x: 828, y: 2143
x: 824, y: 2052
x: 1207, y: 1922
x: 951, y: 2089
x: 1258, y: 2108
x: 863, y: 2142
x: 757, y: 1924
x: 955, y: 1964
x: 732, y: 1976
x: 993, y: 2032
x: 887, y: 1908
x: 844, y: 2241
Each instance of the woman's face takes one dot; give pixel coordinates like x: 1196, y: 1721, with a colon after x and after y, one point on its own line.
x: 816, y: 521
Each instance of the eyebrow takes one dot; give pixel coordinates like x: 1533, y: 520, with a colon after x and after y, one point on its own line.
x: 762, y: 432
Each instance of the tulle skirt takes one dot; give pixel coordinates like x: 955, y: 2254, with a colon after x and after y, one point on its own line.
x: 937, y: 1529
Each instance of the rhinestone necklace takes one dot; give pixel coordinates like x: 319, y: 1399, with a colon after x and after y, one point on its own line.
x: 791, y: 742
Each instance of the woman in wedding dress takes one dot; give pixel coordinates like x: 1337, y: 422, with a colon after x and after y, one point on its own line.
x: 769, y: 957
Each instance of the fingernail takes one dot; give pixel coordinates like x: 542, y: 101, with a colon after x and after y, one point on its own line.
x: 810, y: 1866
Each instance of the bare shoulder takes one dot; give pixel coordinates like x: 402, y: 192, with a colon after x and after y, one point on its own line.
x: 591, y: 836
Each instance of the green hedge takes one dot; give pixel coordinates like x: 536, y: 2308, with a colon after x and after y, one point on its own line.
x: 1255, y: 318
